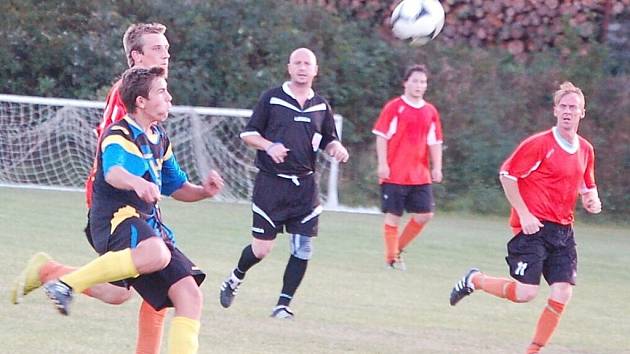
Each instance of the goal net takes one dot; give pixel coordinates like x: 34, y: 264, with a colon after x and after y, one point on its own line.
x: 50, y: 143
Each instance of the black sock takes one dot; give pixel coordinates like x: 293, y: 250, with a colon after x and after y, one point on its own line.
x: 247, y: 260
x: 293, y: 275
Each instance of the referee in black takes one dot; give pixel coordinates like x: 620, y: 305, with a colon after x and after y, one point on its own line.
x: 289, y: 125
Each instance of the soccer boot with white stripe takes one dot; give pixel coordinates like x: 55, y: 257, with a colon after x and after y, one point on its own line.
x: 60, y: 294
x: 229, y: 289
x: 28, y: 280
x: 464, y: 287
x: 283, y: 312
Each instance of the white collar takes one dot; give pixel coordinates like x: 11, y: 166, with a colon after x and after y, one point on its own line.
x: 287, y: 90
x: 569, y: 147
x: 412, y: 104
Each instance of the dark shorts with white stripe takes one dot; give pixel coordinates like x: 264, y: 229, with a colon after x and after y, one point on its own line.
x: 153, y: 287
x: 551, y: 252
x: 279, y: 203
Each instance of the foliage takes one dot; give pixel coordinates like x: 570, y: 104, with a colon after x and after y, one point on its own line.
x: 225, y: 53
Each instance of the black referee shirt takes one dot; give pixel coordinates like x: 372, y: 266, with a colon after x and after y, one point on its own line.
x: 279, y: 118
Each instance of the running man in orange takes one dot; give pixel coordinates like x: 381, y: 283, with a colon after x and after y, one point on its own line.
x: 542, y: 179
x: 408, y: 133
x: 145, y: 46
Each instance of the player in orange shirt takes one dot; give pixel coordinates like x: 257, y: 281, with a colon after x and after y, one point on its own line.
x: 408, y: 133
x: 145, y: 46
x: 542, y: 179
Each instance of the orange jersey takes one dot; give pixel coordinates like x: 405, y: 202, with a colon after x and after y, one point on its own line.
x: 550, y: 173
x: 409, y: 130
x: 115, y: 110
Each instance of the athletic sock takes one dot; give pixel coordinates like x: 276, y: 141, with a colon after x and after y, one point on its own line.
x: 547, y: 324
x: 248, y: 259
x: 293, y: 275
x: 391, y: 243
x: 411, y: 231
x: 502, y: 287
x: 109, y: 267
x: 150, y: 329
x: 183, y: 337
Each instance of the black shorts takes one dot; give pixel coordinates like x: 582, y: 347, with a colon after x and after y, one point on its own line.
x: 279, y: 203
x: 153, y: 287
x: 417, y: 198
x: 550, y: 252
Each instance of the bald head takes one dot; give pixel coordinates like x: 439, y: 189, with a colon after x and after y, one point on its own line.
x: 303, y: 53
x: 302, y: 67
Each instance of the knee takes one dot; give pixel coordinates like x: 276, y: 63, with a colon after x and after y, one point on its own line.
x: 301, y: 247
x: 261, y: 248
x: 526, y: 293
x: 187, y: 298
x: 153, y: 255
x: 194, y: 296
x: 423, y: 218
x: 561, y: 292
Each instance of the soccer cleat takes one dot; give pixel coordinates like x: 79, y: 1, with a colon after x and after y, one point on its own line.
x: 400, y: 262
x: 229, y: 288
x: 464, y: 287
x: 28, y: 280
x: 397, y: 264
x: 282, y: 311
x: 60, y: 294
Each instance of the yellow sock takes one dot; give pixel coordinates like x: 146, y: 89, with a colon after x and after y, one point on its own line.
x: 109, y: 267
x: 183, y: 337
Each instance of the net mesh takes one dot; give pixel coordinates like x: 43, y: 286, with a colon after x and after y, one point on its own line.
x: 51, y: 143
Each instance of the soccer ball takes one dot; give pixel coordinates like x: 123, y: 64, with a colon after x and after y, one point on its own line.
x: 418, y: 21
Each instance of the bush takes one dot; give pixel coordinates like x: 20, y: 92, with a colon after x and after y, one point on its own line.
x: 225, y: 53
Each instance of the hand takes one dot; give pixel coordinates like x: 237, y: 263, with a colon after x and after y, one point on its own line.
x: 529, y: 223
x: 591, y: 202
x: 383, y: 171
x: 436, y: 175
x: 213, y: 183
x: 278, y: 152
x: 337, y: 151
x: 147, y: 191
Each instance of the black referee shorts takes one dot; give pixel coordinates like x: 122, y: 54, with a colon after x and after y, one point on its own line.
x: 279, y: 203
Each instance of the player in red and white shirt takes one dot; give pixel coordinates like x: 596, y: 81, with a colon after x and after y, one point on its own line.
x: 542, y: 180
x: 145, y: 46
x: 409, y: 150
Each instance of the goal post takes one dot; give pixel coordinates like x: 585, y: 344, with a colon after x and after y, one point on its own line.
x: 50, y: 143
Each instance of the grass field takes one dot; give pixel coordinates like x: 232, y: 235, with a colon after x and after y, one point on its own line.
x: 348, y: 302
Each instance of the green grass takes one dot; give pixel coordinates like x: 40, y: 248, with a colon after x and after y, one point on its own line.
x: 348, y: 301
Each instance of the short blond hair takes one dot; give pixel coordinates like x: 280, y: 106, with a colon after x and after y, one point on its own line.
x: 132, y: 39
x: 565, y: 89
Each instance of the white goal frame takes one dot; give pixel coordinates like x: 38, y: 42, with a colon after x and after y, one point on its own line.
x: 26, y: 120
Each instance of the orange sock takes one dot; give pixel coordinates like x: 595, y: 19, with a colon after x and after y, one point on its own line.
x: 391, y: 243
x: 52, y: 270
x: 411, y: 231
x: 150, y: 328
x: 501, y: 287
x: 547, y: 324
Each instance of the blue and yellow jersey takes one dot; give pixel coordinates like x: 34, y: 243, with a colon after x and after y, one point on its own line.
x: 147, y: 155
